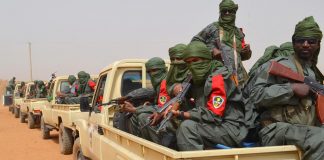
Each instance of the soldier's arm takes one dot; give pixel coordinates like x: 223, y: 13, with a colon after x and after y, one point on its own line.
x: 205, y: 35
x: 268, y: 92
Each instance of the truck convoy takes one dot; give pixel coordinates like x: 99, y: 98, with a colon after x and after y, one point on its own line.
x: 97, y: 139
x: 88, y: 131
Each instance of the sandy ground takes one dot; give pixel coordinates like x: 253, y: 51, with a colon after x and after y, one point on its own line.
x: 17, y: 142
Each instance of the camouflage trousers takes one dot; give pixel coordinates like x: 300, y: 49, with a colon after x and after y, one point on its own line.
x: 308, y: 138
x: 138, y: 120
x: 192, y: 135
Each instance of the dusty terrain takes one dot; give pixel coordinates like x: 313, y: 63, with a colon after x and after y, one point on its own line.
x: 17, y: 142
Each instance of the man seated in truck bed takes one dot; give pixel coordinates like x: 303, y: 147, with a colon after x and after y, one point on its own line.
x: 69, y: 91
x: 85, y: 88
x: 287, y: 108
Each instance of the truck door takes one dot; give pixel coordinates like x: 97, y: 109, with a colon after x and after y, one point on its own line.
x: 94, y: 128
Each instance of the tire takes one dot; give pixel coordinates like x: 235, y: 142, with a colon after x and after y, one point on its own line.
x: 22, y: 117
x: 31, y: 121
x: 44, y: 130
x: 16, y: 112
x: 12, y: 110
x: 77, y: 152
x: 65, y: 140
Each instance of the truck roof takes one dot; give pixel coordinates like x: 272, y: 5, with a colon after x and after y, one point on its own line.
x: 128, y: 62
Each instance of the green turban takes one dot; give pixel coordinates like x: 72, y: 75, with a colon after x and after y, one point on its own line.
x: 177, y: 51
x: 197, y: 49
x: 199, y: 69
x: 157, y: 76
x: 71, y: 79
x: 154, y: 63
x: 82, y: 75
x: 228, y: 4
x: 308, y: 28
x: 178, y: 69
x: 227, y: 22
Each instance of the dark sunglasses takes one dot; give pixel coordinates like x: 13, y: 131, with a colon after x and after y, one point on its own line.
x: 303, y: 40
x: 230, y: 11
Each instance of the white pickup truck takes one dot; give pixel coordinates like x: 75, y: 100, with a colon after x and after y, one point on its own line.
x: 97, y: 139
x: 61, y: 117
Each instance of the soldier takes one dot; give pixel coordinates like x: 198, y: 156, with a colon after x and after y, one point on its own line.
x: 41, y: 91
x: 176, y: 75
x: 218, y: 114
x: 226, y: 31
x: 22, y: 89
x: 11, y: 86
x: 70, y: 92
x: 157, y: 70
x: 287, y: 109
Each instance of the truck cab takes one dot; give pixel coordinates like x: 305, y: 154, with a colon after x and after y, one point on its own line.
x: 61, y: 117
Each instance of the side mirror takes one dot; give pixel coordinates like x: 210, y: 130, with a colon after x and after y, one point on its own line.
x: 84, y: 104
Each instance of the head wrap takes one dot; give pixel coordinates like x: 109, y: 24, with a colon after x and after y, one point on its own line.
x: 154, y: 63
x: 71, y: 79
x: 308, y: 28
x: 177, y: 51
x: 227, y: 22
x: 157, y: 76
x: 197, y: 49
x: 83, y: 79
x: 199, y: 69
x: 178, y: 69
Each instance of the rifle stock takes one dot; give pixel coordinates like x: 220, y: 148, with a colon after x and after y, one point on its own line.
x: 280, y: 70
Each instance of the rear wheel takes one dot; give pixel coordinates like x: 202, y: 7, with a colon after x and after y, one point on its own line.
x: 12, y: 110
x: 16, y: 112
x: 31, y: 121
x: 77, y: 152
x: 45, y: 131
x: 22, y: 117
x: 65, y: 139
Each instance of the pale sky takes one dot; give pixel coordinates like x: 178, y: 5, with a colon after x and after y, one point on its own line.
x: 72, y: 35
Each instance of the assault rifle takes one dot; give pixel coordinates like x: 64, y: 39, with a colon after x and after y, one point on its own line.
x: 136, y: 97
x: 280, y: 70
x: 175, y: 102
x: 227, y: 62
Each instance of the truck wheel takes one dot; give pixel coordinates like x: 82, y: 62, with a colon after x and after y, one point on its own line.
x: 45, y: 131
x: 22, y: 117
x: 77, y: 152
x: 65, y: 139
x: 12, y: 110
x: 16, y: 112
x: 31, y: 121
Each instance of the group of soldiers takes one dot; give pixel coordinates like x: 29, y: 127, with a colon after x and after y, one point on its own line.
x: 227, y: 106
x: 83, y: 86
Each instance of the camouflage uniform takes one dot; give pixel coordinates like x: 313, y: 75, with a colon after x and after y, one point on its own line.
x: 287, y: 118
x: 230, y: 33
x: 218, y: 116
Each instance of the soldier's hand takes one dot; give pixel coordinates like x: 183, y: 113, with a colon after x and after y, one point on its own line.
x: 128, y: 107
x: 300, y: 89
x: 156, y: 117
x: 177, y: 89
x: 217, y: 54
x: 246, y: 52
